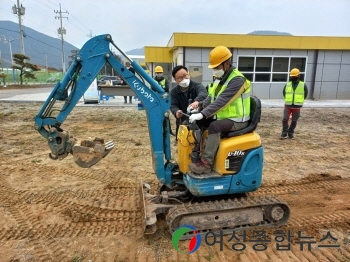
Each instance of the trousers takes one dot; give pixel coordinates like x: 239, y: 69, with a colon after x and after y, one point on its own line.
x: 286, y: 128
x: 214, y: 134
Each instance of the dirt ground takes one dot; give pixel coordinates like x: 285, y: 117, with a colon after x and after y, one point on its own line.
x: 15, y: 86
x: 56, y: 211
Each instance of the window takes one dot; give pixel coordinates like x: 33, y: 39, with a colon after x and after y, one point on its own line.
x: 270, y: 69
x: 263, y: 64
x: 246, y: 64
x: 280, y: 64
x: 279, y: 77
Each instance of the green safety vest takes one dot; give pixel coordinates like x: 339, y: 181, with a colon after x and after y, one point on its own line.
x: 239, y: 109
x: 161, y: 83
x: 296, y: 96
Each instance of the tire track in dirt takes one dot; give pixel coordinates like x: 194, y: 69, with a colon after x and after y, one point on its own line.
x: 104, y: 207
x: 104, y: 176
x: 293, y: 188
x: 61, y: 203
x: 27, y: 228
x: 113, y: 210
x: 69, y: 230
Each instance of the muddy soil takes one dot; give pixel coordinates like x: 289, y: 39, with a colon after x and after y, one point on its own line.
x: 56, y: 211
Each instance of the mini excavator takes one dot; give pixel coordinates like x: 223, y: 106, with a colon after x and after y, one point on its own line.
x: 209, y: 202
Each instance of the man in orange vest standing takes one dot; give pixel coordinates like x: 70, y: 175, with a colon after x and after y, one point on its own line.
x: 294, y: 93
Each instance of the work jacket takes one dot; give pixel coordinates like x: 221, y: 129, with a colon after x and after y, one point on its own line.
x: 180, y: 99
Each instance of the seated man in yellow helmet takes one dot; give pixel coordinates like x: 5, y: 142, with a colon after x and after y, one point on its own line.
x: 160, y: 78
x: 228, y: 101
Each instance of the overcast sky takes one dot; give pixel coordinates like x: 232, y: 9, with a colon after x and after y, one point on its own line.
x: 138, y: 23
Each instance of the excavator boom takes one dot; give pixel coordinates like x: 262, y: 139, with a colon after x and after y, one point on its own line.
x: 85, y: 68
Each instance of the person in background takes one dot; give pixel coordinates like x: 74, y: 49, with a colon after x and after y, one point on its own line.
x: 185, y: 91
x: 294, y: 93
x: 228, y: 102
x: 212, y: 83
x: 132, y: 70
x: 160, y: 78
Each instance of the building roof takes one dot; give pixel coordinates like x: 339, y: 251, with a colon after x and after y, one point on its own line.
x: 163, y: 54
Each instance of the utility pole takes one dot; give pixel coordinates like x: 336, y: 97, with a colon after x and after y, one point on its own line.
x: 20, y: 10
x: 47, y: 70
x: 61, y: 31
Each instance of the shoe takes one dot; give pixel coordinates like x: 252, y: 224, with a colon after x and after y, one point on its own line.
x: 200, y: 167
x: 130, y: 102
x: 125, y: 102
x: 283, y: 136
x: 291, y: 136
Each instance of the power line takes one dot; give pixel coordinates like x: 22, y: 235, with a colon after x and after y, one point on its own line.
x: 52, y: 3
x: 79, y: 22
x: 5, y: 10
x: 34, y: 39
x: 77, y: 27
x: 43, y: 42
x: 44, y: 4
x: 12, y: 1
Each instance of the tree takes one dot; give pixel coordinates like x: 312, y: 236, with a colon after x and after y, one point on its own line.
x: 73, y: 56
x: 26, y: 69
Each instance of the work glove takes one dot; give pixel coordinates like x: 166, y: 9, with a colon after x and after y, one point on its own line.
x: 189, y: 109
x: 196, y: 117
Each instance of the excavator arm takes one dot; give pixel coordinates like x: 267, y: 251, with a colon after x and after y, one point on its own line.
x: 67, y: 93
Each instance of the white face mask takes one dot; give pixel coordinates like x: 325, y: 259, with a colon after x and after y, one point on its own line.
x: 185, y: 82
x: 219, y: 73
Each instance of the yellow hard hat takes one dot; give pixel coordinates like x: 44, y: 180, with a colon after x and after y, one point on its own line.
x: 294, y: 72
x: 218, y: 55
x: 158, y: 69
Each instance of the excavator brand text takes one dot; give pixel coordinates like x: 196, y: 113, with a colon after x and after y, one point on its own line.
x: 140, y: 88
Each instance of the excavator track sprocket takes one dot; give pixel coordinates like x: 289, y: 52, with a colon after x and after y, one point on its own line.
x: 228, y: 215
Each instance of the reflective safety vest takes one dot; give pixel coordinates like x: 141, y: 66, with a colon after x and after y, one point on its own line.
x: 161, y: 83
x: 239, y: 109
x: 296, y: 96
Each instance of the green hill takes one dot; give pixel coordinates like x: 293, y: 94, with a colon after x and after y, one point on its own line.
x: 37, y: 46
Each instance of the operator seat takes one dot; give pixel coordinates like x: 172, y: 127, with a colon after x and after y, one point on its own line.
x: 255, y: 113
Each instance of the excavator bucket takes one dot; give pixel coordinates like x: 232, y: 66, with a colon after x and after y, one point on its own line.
x: 88, y: 153
x: 148, y: 209
x: 142, y: 206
